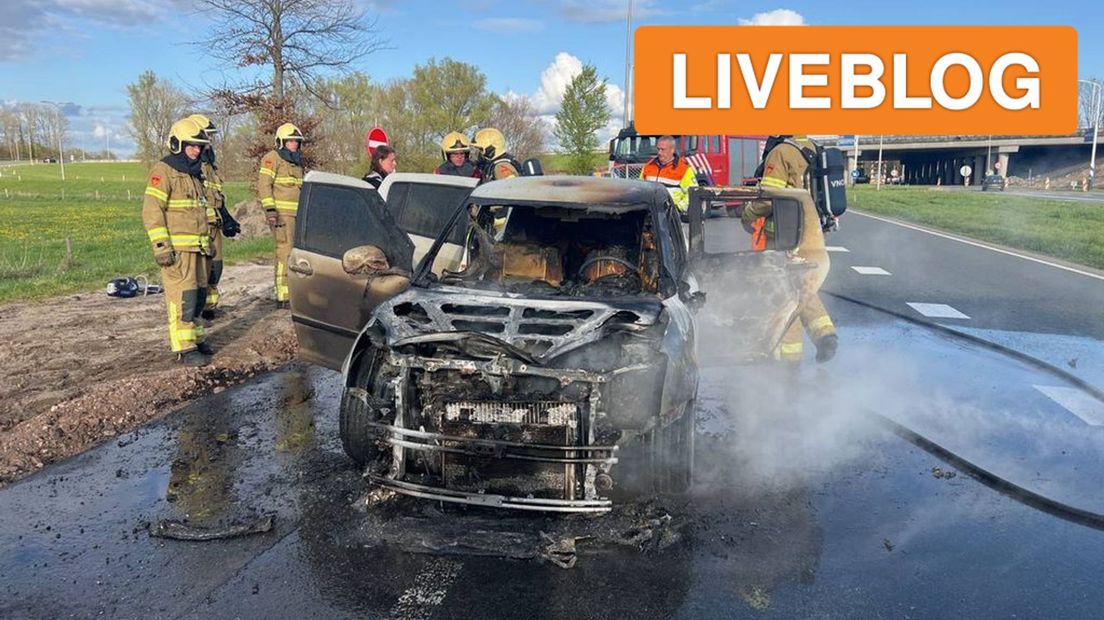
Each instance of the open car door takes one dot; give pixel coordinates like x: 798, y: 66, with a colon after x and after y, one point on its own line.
x: 329, y: 307
x: 422, y: 205
x: 750, y: 298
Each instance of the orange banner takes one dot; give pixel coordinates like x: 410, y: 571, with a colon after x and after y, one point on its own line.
x: 968, y: 80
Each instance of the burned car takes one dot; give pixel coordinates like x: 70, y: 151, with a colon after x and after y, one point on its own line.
x: 545, y: 335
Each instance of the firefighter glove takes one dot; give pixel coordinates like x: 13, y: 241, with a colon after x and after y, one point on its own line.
x: 271, y: 218
x: 230, y: 226
x: 165, y: 259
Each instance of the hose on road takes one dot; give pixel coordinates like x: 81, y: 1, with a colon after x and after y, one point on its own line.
x: 1002, y: 485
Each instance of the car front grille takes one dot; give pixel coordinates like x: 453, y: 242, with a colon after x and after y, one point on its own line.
x: 533, y: 413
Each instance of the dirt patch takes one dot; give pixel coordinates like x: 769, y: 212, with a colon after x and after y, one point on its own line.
x: 82, y: 368
x: 251, y: 217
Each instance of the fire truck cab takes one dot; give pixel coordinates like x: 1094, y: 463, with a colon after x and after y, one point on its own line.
x: 722, y: 161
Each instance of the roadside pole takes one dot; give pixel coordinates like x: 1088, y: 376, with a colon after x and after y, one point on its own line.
x: 1096, y: 129
x: 878, y: 187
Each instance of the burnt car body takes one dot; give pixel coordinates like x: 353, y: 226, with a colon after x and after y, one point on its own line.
x: 559, y: 337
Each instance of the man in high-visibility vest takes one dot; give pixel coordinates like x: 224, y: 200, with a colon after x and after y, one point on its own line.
x: 174, y: 214
x: 671, y: 171
x: 786, y: 166
x: 278, y: 184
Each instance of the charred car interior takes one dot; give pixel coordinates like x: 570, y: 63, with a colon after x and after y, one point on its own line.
x: 554, y: 370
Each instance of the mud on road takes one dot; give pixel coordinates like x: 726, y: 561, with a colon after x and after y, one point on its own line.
x: 82, y: 368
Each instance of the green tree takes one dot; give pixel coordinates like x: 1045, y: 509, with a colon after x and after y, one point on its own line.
x: 155, y: 104
x: 583, y: 113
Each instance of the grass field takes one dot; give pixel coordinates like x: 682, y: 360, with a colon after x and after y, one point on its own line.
x: 1072, y: 231
x: 98, y: 209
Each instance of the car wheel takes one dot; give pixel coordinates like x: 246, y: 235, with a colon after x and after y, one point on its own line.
x: 359, y: 439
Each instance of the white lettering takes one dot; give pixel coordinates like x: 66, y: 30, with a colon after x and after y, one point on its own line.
x: 682, y: 102
x: 799, y: 80
x: 1029, y: 84
x: 901, y: 99
x: 850, y: 80
x: 939, y: 72
x: 759, y: 91
x: 724, y: 81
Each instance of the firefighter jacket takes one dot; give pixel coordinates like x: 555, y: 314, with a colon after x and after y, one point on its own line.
x: 278, y: 184
x: 676, y: 175
x: 467, y: 169
x: 212, y: 183
x: 174, y: 210
x: 786, y: 166
x: 499, y: 168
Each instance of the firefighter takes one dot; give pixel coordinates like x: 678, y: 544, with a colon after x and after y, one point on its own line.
x: 456, y: 151
x: 671, y: 171
x: 216, y: 202
x: 278, y: 184
x: 174, y: 213
x: 491, y: 157
x: 785, y: 166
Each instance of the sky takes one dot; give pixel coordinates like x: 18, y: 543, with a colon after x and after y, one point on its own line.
x: 87, y: 51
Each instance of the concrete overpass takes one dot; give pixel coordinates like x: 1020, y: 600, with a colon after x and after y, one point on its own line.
x: 930, y: 159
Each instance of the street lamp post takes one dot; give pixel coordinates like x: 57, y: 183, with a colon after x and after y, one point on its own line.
x: 1096, y: 129
x: 60, y: 133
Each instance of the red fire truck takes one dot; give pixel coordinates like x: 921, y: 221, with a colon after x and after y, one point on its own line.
x: 719, y: 160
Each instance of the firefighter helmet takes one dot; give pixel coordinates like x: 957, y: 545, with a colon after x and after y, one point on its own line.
x: 286, y: 132
x: 204, y: 122
x: 490, y: 142
x: 454, y: 142
x: 185, y: 131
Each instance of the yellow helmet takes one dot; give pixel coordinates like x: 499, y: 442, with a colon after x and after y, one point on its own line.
x: 454, y: 142
x: 204, y: 122
x: 287, y: 131
x: 490, y: 142
x: 185, y: 131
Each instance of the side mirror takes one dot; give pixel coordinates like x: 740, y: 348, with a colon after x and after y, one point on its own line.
x: 788, y: 215
x: 611, y: 147
x: 364, y: 260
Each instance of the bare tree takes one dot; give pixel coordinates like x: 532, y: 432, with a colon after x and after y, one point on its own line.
x: 155, y: 104
x: 525, y: 131
x: 299, y: 40
x: 1088, y: 104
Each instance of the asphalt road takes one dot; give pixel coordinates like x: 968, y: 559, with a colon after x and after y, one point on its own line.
x: 805, y: 506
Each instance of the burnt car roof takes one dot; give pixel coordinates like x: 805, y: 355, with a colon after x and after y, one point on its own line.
x: 570, y: 192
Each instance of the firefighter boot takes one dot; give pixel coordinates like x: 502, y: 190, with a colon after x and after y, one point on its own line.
x: 826, y: 348
x: 192, y: 358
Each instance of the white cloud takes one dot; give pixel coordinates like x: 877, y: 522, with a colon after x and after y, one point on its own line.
x: 29, y: 24
x: 554, y: 81
x: 777, y: 17
x: 605, y: 11
x: 509, y: 24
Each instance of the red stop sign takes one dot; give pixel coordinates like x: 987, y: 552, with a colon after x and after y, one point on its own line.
x: 376, y: 136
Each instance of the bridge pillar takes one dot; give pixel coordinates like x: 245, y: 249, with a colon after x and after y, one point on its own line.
x: 1002, y: 159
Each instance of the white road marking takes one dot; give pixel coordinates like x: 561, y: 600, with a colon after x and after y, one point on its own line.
x: 985, y: 246
x: 429, y: 589
x: 1077, y: 402
x: 936, y: 311
x: 836, y: 248
x: 871, y: 271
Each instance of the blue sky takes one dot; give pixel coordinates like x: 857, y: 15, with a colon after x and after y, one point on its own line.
x: 86, y: 51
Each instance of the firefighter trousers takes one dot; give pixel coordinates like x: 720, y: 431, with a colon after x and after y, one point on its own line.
x: 284, y: 232
x: 812, y: 317
x: 214, y: 270
x: 185, y: 285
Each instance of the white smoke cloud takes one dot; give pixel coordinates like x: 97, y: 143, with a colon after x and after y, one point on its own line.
x: 777, y: 17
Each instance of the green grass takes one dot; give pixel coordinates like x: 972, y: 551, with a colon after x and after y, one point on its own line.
x: 1072, y: 231
x: 94, y: 211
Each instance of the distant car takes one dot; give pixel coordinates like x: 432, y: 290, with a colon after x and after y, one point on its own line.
x: 862, y: 177
x: 994, y: 182
x: 49, y: 160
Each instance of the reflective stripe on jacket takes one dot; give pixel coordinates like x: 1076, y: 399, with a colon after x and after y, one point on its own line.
x: 174, y: 211
x: 278, y: 184
x: 677, y: 176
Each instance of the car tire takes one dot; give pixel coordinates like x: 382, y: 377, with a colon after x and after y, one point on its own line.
x: 359, y: 439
